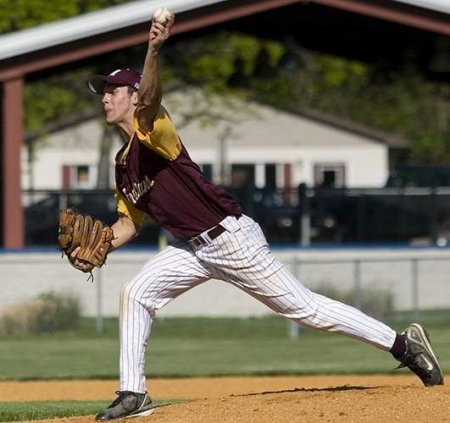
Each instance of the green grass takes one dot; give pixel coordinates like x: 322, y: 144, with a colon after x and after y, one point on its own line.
x: 33, y: 410
x: 207, y: 347
x: 195, y: 347
x: 18, y: 411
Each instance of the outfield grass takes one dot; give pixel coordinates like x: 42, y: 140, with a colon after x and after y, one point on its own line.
x: 194, y: 347
x: 206, y: 347
x: 34, y: 410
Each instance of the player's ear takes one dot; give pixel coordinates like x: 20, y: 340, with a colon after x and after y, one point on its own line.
x: 135, y: 98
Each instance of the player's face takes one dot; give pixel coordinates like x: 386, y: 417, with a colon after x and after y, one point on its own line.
x: 118, y: 104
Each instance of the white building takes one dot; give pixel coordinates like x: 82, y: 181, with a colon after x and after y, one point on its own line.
x: 262, y: 145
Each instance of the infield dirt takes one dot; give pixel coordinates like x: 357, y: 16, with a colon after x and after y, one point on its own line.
x: 308, y: 399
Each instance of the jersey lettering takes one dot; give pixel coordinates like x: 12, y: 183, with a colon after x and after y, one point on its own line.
x: 138, y: 190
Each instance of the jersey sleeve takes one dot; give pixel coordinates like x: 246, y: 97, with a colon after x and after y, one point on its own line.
x: 126, y: 208
x: 163, y: 139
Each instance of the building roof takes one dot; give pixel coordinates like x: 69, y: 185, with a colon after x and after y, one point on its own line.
x: 437, y: 5
x: 89, y: 24
x: 113, y: 18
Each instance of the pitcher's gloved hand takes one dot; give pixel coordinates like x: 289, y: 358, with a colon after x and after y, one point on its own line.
x: 85, y: 240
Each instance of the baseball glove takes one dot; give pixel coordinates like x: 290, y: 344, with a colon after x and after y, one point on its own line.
x: 90, y: 234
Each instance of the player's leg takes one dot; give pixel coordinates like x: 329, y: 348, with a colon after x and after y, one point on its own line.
x: 163, y: 278
x: 287, y: 296
x: 242, y: 257
x: 412, y: 348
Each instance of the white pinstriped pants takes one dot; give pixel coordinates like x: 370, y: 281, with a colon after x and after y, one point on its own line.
x: 241, y: 257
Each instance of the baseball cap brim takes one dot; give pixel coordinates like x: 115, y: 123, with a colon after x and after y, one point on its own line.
x: 119, y: 77
x: 97, y: 82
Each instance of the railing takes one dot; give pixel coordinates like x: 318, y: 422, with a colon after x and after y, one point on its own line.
x: 307, y: 216
x: 415, y: 279
x: 412, y: 281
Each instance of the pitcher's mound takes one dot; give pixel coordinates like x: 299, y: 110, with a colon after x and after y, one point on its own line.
x: 263, y: 399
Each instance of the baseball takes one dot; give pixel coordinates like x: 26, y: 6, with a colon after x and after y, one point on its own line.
x: 161, y: 15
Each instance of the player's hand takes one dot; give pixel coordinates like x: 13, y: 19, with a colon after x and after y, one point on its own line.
x: 159, y: 33
x: 76, y: 262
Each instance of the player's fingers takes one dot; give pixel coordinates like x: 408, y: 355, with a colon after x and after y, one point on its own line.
x: 155, y: 32
x: 156, y: 26
x: 170, y: 20
x: 159, y: 30
x: 74, y: 253
x: 82, y: 264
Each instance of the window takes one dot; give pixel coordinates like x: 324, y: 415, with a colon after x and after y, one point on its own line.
x: 242, y: 175
x: 261, y: 175
x: 82, y: 176
x: 78, y: 176
x: 271, y: 176
x: 207, y: 170
x: 329, y: 175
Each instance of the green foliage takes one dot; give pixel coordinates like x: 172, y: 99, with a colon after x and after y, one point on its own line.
x: 54, y: 99
x: 59, y: 312
x: 338, y: 73
x: 277, y: 92
x: 49, y: 312
x: 225, y: 55
x: 22, y: 14
x: 374, y: 302
x: 410, y: 106
x: 57, y: 98
x: 401, y: 102
x: 39, y: 111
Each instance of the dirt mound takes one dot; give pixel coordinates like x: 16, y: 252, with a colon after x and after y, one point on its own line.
x: 263, y: 399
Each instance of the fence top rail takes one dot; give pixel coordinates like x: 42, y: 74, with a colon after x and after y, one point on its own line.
x: 388, y: 191
x: 368, y: 260
x: 121, y: 258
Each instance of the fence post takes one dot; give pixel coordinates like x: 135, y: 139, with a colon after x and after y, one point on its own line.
x: 305, y: 218
x: 415, y: 287
x: 99, y: 322
x: 294, y: 328
x: 357, y: 294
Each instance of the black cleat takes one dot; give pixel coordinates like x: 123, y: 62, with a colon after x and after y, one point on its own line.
x: 127, y: 404
x: 419, y: 356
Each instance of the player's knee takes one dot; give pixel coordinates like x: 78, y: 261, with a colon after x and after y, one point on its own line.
x: 134, y: 295
x: 129, y: 293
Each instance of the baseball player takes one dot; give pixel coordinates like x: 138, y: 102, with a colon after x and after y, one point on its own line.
x: 214, y: 239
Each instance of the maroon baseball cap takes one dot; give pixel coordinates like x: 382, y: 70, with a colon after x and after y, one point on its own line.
x: 119, y: 77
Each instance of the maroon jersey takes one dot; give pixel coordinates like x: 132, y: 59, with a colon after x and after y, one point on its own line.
x: 174, y: 193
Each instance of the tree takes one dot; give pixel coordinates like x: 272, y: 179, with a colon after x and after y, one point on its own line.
x: 22, y: 14
x: 286, y: 76
x: 282, y: 74
x: 50, y: 102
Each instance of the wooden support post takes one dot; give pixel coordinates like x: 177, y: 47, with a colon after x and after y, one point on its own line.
x: 12, y: 139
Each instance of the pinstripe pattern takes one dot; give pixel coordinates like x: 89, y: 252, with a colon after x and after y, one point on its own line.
x: 241, y: 257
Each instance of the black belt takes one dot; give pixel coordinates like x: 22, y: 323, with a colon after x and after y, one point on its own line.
x: 198, y: 241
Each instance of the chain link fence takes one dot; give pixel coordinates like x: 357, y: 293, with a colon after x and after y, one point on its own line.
x: 379, y: 281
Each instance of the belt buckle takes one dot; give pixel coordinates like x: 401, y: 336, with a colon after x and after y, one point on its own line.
x: 197, y: 241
